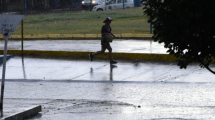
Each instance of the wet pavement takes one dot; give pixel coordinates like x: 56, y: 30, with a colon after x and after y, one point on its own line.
x: 119, y: 45
x: 101, y: 70
x: 130, y: 90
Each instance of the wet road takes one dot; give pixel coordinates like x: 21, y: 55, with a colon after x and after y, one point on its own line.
x: 130, y: 90
x: 101, y: 70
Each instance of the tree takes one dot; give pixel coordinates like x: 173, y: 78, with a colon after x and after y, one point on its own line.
x: 186, y: 27
x: 3, y: 5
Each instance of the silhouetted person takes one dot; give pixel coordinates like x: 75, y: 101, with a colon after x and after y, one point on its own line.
x: 106, y: 30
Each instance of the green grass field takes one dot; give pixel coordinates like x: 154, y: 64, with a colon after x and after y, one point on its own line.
x: 131, y: 20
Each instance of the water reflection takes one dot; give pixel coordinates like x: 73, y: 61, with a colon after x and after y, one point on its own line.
x: 111, y: 74
x: 150, y: 47
x: 111, y: 71
x: 23, y: 68
x: 91, y: 72
x: 136, y: 63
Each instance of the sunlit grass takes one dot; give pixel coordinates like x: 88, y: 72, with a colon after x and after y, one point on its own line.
x: 130, y: 20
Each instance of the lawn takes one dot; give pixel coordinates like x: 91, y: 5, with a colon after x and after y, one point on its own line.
x: 131, y: 20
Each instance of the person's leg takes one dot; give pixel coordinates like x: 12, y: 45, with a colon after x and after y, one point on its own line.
x: 103, y: 48
x: 110, y: 55
x: 91, y: 55
x: 110, y: 52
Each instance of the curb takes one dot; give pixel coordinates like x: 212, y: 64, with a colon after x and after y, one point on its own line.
x: 25, y: 114
x: 77, y: 54
x: 79, y: 36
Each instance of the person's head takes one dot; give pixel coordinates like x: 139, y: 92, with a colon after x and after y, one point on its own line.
x: 108, y: 20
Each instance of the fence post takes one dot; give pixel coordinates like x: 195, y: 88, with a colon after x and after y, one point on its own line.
x: 123, y: 4
x: 150, y: 28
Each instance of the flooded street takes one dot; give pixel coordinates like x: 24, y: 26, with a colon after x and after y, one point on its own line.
x: 129, y: 90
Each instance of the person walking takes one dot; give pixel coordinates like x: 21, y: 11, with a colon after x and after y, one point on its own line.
x: 106, y: 30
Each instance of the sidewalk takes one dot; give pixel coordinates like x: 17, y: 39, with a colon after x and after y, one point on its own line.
x: 118, y: 45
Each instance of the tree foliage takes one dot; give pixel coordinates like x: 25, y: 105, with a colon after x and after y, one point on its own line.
x: 186, y: 27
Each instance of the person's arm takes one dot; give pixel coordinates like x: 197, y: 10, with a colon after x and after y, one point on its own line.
x: 109, y: 33
x: 112, y: 34
x: 104, y: 32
